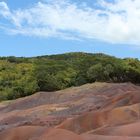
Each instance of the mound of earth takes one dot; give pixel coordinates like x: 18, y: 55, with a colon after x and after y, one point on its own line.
x: 99, y: 111
x: 100, y: 137
x: 102, y: 119
x: 38, y: 133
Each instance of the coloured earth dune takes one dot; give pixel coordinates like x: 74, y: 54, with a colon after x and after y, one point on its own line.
x: 99, y: 111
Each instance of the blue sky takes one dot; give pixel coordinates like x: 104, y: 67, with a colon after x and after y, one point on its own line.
x: 32, y: 27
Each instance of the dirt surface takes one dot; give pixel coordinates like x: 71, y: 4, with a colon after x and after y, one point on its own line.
x: 99, y: 111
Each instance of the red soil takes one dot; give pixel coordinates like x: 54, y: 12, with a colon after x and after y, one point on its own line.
x: 97, y: 111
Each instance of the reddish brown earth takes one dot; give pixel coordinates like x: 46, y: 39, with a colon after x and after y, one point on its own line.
x: 99, y: 111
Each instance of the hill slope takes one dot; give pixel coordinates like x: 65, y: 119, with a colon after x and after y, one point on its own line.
x: 20, y: 77
x: 90, y: 112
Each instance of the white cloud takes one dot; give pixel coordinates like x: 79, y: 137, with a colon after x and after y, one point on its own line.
x: 4, y: 10
x: 117, y: 22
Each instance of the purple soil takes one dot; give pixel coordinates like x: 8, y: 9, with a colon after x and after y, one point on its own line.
x: 99, y: 111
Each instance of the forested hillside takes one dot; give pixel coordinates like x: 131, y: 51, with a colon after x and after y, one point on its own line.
x: 20, y: 77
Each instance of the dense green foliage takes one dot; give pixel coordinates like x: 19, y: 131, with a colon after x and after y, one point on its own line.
x: 20, y: 77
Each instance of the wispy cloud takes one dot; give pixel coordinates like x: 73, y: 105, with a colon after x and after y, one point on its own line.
x: 116, y: 22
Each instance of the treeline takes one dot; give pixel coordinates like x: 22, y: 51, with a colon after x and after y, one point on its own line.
x: 21, y: 77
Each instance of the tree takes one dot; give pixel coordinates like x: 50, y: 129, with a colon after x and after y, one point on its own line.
x: 95, y: 73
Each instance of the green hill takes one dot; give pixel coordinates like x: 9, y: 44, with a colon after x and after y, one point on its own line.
x: 21, y: 76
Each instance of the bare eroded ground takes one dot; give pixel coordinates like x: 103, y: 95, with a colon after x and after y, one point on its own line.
x: 99, y: 111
